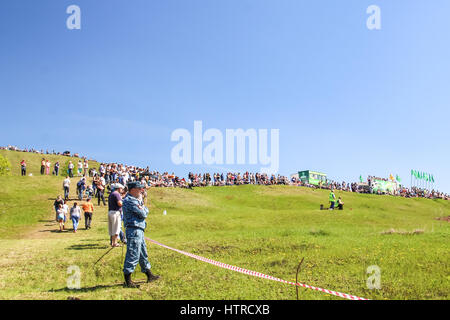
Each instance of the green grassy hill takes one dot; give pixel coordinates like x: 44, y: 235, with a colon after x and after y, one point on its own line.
x: 24, y: 201
x: 265, y: 229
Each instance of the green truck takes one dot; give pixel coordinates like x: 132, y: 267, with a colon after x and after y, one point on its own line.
x: 312, y: 177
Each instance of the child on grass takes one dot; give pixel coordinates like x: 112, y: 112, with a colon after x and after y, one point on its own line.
x: 60, y: 217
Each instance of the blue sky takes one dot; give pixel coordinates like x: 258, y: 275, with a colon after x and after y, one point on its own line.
x: 347, y: 100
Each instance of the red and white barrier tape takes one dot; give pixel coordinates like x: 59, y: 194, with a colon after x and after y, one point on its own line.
x: 256, y: 274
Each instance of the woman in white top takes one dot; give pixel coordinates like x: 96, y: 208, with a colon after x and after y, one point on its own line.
x: 75, y: 213
x: 80, y: 168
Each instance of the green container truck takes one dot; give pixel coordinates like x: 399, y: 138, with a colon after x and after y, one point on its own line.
x: 312, y: 177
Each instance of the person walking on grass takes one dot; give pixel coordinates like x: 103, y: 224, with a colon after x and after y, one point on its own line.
x: 114, y: 213
x: 88, y: 209
x: 81, y: 186
x: 80, y: 168
x: 60, y: 217
x: 75, y: 213
x: 23, y: 168
x: 58, y: 202
x: 70, y: 169
x: 66, y: 186
x: 66, y: 210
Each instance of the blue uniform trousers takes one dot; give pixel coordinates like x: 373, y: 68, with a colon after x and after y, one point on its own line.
x: 136, y: 251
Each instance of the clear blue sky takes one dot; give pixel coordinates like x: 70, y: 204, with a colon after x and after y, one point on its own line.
x: 347, y: 100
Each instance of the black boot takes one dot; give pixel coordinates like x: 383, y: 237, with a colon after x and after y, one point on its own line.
x: 151, y: 277
x: 128, y: 282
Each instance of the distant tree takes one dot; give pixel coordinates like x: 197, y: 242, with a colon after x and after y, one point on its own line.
x: 5, y: 166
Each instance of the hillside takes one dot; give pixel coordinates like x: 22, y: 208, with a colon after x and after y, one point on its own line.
x: 265, y: 229
x: 24, y: 201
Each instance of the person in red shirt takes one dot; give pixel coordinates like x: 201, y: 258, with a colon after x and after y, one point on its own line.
x: 23, y: 167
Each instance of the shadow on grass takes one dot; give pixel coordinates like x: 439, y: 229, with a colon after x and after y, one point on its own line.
x: 94, y: 288
x: 55, y: 230
x: 70, y: 199
x: 87, y: 246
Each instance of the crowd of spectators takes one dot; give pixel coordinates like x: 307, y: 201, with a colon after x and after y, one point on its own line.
x: 414, y: 192
x: 109, y: 173
x: 46, y: 152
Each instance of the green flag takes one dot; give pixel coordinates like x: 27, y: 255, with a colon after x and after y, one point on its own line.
x: 360, y: 178
x: 397, y: 178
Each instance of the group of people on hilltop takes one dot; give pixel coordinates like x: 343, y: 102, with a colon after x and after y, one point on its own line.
x: 231, y: 179
x: 45, y: 167
x: 108, y: 173
x: 82, y: 168
x: 405, y: 192
x: 33, y: 150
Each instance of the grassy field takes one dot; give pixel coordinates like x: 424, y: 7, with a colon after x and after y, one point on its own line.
x: 265, y: 229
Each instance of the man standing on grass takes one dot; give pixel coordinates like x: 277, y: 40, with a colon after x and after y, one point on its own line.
x: 56, y: 168
x: 332, y: 199
x: 114, y: 213
x: 101, y: 191
x: 42, y: 166
x: 134, y: 215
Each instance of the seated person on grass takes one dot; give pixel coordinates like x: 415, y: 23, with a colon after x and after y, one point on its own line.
x: 340, y: 204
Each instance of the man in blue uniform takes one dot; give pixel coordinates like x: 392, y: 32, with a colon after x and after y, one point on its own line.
x: 134, y: 215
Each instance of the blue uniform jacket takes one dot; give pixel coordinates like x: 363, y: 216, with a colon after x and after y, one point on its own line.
x: 134, y: 213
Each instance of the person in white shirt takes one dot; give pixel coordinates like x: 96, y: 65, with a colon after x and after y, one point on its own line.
x: 86, y: 167
x: 66, y: 186
x: 71, y: 167
x: 80, y: 168
x: 66, y: 210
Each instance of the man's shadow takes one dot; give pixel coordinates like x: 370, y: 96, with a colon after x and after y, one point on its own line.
x: 94, y: 288
x: 87, y: 246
